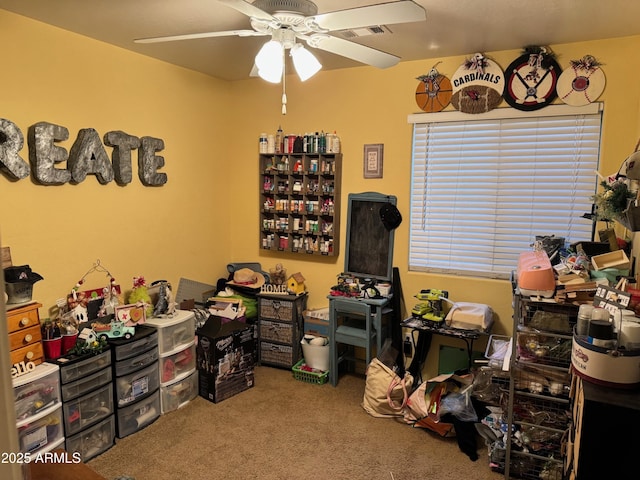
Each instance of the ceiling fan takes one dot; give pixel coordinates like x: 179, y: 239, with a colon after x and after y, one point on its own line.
x: 288, y: 20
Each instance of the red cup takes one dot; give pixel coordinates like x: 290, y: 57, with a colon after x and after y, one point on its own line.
x: 68, y: 342
x: 52, y: 348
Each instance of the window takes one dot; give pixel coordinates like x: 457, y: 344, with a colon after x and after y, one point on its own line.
x: 482, y: 188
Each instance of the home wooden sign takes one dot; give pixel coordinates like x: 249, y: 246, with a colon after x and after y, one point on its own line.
x: 87, y: 155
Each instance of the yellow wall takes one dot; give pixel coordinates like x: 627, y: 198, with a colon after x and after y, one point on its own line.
x: 207, y: 214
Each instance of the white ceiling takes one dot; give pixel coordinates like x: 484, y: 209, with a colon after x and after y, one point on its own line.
x: 453, y: 27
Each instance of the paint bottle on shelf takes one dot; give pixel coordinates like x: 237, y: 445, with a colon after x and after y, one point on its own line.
x: 279, y: 140
x: 263, y: 144
x: 271, y: 144
x: 336, y: 143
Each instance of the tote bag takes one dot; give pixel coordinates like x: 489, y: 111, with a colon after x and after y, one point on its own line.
x: 385, y: 393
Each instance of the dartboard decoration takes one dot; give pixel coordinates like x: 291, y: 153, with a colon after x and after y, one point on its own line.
x: 434, y: 91
x: 477, y: 85
x: 582, y: 83
x: 531, y: 79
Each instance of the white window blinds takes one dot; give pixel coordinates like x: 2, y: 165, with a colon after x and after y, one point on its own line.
x: 482, y: 189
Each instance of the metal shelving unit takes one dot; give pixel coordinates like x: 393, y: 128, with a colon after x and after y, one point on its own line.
x: 538, y: 408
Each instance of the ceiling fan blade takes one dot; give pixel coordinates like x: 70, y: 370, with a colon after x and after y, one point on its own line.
x: 194, y: 36
x: 248, y: 9
x: 383, y: 14
x: 354, y: 51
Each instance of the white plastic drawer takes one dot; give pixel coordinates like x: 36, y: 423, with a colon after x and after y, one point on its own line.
x: 173, y: 367
x: 176, y: 332
x: 177, y: 394
x: 138, y: 415
x: 137, y: 385
x: 36, y: 391
x: 82, y: 368
x: 85, y: 385
x: 87, y: 410
x: 145, y: 339
x: 44, y: 431
x: 124, y: 367
x: 94, y: 440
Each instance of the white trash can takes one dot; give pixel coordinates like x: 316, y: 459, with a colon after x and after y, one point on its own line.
x: 316, y: 356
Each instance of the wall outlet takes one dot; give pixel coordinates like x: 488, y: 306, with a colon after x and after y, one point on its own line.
x: 408, y: 348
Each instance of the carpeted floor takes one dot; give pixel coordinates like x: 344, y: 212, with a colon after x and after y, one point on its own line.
x: 283, y: 428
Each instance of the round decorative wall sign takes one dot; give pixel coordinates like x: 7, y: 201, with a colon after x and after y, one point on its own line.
x: 434, y: 91
x: 531, y: 79
x: 477, y: 85
x: 582, y: 83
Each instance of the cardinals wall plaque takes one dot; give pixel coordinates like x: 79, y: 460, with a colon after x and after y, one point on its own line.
x: 477, y: 85
x: 531, y: 79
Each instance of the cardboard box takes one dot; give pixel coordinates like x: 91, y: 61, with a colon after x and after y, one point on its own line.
x: 316, y: 322
x: 226, y: 354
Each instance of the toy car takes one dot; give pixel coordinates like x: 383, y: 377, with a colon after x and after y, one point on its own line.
x: 115, y: 329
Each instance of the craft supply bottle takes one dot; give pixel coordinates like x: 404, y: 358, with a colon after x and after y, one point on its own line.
x: 263, y: 144
x: 336, y: 143
x: 279, y: 140
x: 584, y: 317
x: 271, y: 144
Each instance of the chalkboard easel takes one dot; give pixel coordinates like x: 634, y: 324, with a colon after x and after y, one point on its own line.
x: 369, y: 252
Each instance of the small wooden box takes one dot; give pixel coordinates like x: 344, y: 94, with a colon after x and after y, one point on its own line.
x: 617, y: 259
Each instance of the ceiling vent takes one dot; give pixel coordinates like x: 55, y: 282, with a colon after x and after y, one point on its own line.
x: 364, y: 31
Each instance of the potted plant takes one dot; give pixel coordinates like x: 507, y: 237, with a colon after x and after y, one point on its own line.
x: 617, y: 202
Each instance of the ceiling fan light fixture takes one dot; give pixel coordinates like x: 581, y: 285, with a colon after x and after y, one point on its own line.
x: 305, y: 63
x: 269, y: 54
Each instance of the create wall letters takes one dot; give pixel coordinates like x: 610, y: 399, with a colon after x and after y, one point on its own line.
x: 87, y: 156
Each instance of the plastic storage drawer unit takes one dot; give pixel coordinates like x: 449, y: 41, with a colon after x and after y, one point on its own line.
x: 87, y: 410
x: 94, y: 440
x: 134, y: 417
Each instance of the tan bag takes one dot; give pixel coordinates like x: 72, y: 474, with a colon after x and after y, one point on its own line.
x: 423, y: 405
x: 385, y: 393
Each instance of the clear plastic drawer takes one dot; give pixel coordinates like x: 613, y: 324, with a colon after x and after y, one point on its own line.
x: 87, y: 410
x: 176, y: 332
x: 137, y: 385
x: 177, y: 365
x: 36, y: 391
x: 42, y: 431
x: 94, y: 440
x: 177, y: 394
x: 138, y: 415
x: 128, y: 365
x: 85, y: 385
x: 145, y: 339
x: 72, y: 369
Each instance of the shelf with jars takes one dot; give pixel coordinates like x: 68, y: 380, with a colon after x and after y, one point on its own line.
x: 300, y: 202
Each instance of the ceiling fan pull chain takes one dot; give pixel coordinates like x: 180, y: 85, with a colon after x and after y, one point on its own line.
x: 284, y: 92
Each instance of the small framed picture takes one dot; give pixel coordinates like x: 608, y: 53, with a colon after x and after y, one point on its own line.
x: 373, y: 160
